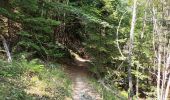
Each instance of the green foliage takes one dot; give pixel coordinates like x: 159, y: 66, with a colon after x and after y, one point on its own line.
x: 41, y: 24
x: 102, y: 38
x: 102, y: 44
x: 11, y: 15
x: 21, y: 79
x: 106, y: 94
x: 93, y: 24
x: 28, y: 5
x: 35, y: 27
x: 83, y: 13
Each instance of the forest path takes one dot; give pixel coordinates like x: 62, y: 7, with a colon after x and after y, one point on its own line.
x: 82, y: 89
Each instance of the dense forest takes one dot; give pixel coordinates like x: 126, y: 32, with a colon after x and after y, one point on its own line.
x: 57, y: 49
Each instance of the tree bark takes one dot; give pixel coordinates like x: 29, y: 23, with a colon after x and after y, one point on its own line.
x: 166, y: 74
x: 6, y: 49
x: 130, y: 94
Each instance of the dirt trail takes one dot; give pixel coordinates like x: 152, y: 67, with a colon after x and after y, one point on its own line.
x: 82, y: 89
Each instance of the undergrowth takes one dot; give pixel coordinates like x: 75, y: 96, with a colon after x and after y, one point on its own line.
x: 106, y: 94
x: 33, y: 80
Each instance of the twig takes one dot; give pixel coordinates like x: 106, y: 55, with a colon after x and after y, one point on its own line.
x: 117, y: 34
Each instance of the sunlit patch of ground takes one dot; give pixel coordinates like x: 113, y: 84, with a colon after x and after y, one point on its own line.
x: 38, y: 87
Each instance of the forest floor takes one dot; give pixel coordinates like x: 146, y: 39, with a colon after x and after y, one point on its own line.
x: 33, y: 80
x: 79, y: 74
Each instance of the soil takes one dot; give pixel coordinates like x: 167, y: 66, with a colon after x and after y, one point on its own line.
x: 79, y: 74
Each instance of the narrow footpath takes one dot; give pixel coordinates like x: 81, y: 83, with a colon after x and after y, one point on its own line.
x: 82, y: 89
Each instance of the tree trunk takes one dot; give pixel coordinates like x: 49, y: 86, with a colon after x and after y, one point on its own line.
x: 6, y: 49
x: 130, y: 95
x: 166, y: 74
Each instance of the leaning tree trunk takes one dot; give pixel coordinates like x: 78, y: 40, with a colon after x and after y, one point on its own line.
x: 130, y: 96
x: 6, y: 49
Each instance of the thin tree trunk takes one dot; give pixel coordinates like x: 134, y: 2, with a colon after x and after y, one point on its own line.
x: 6, y: 49
x: 117, y: 34
x: 130, y: 95
x: 137, y: 82
x: 166, y: 74
x: 167, y: 89
x: 144, y: 20
x: 157, y: 53
x: 158, y: 75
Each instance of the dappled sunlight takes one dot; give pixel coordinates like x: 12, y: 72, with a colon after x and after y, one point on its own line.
x: 84, y: 49
x: 78, y: 58
x: 37, y: 87
x: 32, y: 80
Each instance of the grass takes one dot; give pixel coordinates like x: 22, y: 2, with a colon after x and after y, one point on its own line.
x: 33, y: 80
x: 107, y: 95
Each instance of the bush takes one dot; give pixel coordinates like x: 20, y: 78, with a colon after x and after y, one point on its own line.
x: 32, y: 80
